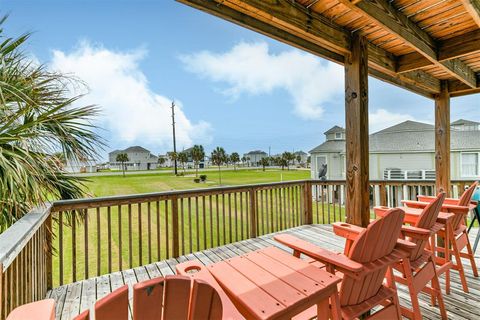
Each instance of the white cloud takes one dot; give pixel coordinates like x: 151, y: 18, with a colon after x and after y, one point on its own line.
x: 132, y: 112
x: 250, y: 68
x: 381, y: 119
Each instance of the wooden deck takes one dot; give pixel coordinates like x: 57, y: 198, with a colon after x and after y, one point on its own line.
x: 73, y: 298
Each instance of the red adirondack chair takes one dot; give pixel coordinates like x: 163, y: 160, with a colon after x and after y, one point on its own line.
x: 418, y: 269
x: 172, y: 297
x: 458, y: 233
x: 368, y: 259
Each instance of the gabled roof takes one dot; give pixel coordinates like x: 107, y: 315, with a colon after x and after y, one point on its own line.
x: 257, y: 152
x: 300, y: 153
x: 136, y: 149
x: 463, y: 121
x: 408, y: 125
x: 330, y: 146
x: 334, y: 129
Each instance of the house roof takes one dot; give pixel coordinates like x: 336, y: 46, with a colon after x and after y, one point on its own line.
x: 136, y: 149
x: 463, y: 121
x: 257, y: 152
x: 334, y: 129
x: 300, y: 153
x: 408, y: 136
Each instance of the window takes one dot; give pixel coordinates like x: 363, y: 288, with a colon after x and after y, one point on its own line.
x: 338, y: 135
x: 469, y: 164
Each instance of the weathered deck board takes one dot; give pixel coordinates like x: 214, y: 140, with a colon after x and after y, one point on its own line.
x: 74, y: 298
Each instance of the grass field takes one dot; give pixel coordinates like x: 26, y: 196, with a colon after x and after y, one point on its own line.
x: 100, y: 186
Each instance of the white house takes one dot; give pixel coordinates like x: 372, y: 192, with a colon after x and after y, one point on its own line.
x: 139, y: 159
x: 404, y: 151
x: 254, y: 157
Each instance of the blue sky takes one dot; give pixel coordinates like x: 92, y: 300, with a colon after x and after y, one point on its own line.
x: 235, y: 88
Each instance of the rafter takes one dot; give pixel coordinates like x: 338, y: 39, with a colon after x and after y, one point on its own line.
x: 391, y: 19
x: 473, y: 8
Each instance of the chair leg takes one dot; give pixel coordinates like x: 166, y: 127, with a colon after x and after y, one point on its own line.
x: 335, y: 303
x: 416, y: 314
x: 471, y: 257
x: 458, y: 262
x: 438, y: 294
x: 391, y: 284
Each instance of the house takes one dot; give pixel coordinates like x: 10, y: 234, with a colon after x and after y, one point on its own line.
x: 404, y: 151
x: 81, y: 166
x: 139, y: 159
x: 303, y: 158
x: 167, y: 161
x: 254, y: 157
x: 190, y: 163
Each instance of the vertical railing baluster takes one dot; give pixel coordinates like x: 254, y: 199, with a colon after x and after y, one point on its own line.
x: 167, y: 243
x: 140, y: 233
x: 74, y: 246
x: 211, y: 219
x: 182, y: 229
x: 175, y: 244
x: 253, y: 212
x: 85, y: 224
x: 204, y: 215
x: 218, y: 219
x: 130, y: 235
x: 230, y: 218
x: 109, y: 238
x: 120, y: 252
x: 197, y: 227
x: 159, y: 244
x: 149, y: 227
x: 190, y: 238
x: 99, y: 257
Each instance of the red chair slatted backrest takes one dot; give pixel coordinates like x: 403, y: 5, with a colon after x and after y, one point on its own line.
x: 426, y: 221
x: 376, y: 241
x: 464, y: 201
x: 113, y: 306
x: 175, y: 297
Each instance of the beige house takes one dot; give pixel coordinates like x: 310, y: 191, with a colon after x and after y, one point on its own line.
x: 404, y: 151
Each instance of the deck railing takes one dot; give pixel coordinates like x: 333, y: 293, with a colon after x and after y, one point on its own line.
x: 72, y: 240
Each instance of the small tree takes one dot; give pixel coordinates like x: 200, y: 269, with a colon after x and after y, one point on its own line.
x: 198, y: 154
x: 288, y: 156
x: 235, y: 158
x: 161, y: 161
x: 122, y: 158
x: 182, y: 157
x: 299, y: 159
x: 244, y: 159
x: 264, y: 162
x: 218, y: 158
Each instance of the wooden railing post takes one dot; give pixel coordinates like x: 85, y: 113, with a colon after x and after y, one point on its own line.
x: 175, y: 234
x: 253, y: 212
x: 49, y: 252
x: 383, y: 194
x: 307, y: 202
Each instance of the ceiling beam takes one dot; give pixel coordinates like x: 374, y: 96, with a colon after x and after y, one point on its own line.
x: 391, y: 19
x: 473, y: 8
x: 449, y: 49
x: 457, y: 88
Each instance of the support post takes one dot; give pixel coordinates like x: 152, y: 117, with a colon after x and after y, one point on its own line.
x: 442, y: 139
x: 356, y: 122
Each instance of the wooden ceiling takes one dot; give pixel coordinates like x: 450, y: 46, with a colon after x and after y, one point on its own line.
x: 415, y: 44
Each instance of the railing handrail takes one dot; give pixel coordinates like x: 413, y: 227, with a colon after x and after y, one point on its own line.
x: 99, y: 201
x: 84, y: 203
x: 14, y: 239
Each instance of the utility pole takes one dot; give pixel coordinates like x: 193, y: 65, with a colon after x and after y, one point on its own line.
x: 174, y: 140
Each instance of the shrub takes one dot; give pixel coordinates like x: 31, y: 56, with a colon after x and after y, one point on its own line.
x: 203, y: 177
x: 196, y: 180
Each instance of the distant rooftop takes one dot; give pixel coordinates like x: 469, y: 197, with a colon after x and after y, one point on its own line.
x: 334, y: 129
x: 257, y: 152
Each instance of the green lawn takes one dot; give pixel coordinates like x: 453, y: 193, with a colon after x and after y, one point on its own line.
x: 163, y: 181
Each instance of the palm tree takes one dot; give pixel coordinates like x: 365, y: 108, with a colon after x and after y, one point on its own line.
x: 299, y: 158
x: 182, y: 157
x: 218, y: 158
x: 288, y: 156
x: 235, y: 158
x: 264, y: 162
x: 161, y: 161
x: 37, y: 120
x: 198, y: 154
x: 122, y: 158
x: 244, y: 159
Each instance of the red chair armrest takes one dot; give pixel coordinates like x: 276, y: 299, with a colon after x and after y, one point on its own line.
x: 347, y: 230
x: 415, y: 204
x: 405, y: 245
x: 340, y: 261
x: 414, y: 232
x: 380, y: 211
x: 425, y: 198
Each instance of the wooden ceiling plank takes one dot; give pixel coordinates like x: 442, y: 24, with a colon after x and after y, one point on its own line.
x: 383, y: 12
x: 459, y: 46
